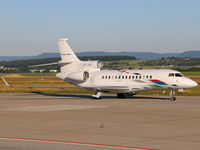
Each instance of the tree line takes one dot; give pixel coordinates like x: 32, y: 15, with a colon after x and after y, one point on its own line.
x: 172, y: 61
x: 23, y: 65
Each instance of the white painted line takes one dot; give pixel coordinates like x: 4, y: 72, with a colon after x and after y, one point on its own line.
x: 46, y: 108
x: 76, y: 143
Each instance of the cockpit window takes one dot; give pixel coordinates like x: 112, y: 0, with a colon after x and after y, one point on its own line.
x: 171, y: 75
x: 178, y: 75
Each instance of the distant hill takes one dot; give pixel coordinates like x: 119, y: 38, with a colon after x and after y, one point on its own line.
x: 143, y: 55
x: 138, y: 55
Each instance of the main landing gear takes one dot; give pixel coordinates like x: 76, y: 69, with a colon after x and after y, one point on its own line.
x: 120, y: 95
x: 97, y: 95
x: 172, y: 93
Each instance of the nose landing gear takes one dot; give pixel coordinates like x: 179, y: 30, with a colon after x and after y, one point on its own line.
x: 173, y: 98
x: 172, y: 93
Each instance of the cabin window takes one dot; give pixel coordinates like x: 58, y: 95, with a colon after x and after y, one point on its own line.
x: 150, y: 77
x: 129, y: 77
x: 105, y: 77
x: 122, y: 77
x: 140, y: 77
x: 102, y: 77
x: 126, y: 77
x: 171, y: 75
x: 136, y: 77
x: 119, y: 77
x: 147, y: 77
x: 108, y: 77
x: 115, y: 77
x: 178, y: 75
x: 132, y: 77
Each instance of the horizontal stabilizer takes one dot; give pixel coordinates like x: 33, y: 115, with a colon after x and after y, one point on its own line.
x: 54, y: 63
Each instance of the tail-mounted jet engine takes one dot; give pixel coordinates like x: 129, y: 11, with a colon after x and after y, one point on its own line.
x: 79, y: 76
x: 85, y: 75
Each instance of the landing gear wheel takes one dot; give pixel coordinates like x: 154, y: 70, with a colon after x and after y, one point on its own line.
x: 172, y: 93
x: 97, y: 95
x: 173, y: 98
x: 120, y: 95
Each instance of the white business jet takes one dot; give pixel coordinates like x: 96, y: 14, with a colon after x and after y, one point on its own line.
x: 88, y: 75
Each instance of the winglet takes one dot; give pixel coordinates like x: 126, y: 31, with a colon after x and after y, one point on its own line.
x: 6, y: 82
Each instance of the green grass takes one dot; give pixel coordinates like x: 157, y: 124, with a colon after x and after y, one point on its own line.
x: 38, y: 74
x: 197, y: 73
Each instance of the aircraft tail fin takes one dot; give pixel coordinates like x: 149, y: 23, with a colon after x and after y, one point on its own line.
x: 67, y: 55
x: 69, y: 61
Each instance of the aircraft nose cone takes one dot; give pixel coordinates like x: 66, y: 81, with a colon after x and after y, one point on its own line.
x: 189, y: 83
x: 194, y: 84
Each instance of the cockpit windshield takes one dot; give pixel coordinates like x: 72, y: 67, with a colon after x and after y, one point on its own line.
x: 171, y: 75
x: 175, y: 75
x: 178, y: 75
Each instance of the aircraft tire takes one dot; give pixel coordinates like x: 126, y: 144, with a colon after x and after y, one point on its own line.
x: 120, y: 95
x: 173, y: 98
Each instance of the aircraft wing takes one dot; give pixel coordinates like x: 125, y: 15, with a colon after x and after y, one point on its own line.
x: 70, y: 87
x: 58, y: 87
x: 109, y: 88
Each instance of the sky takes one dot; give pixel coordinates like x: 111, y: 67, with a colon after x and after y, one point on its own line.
x: 32, y: 27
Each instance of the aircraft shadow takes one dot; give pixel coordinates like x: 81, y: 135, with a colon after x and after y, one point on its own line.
x: 84, y: 96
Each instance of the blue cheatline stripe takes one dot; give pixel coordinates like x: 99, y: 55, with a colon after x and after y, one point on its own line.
x: 159, y: 82
x: 137, y: 73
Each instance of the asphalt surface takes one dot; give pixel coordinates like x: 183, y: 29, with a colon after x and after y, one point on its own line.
x: 78, y: 122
